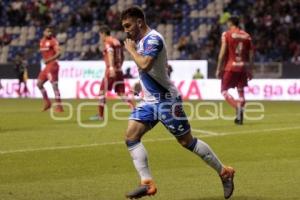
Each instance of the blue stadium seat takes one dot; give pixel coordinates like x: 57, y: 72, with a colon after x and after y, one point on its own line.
x: 71, y: 32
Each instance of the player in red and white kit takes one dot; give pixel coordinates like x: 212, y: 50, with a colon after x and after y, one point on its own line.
x: 234, y: 65
x: 113, y: 56
x: 50, y: 51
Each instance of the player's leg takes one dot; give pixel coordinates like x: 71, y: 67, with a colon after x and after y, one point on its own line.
x: 119, y: 87
x: 23, y: 79
x: 204, y: 151
x: 53, y: 78
x: 141, y: 121
x: 105, y: 85
x: 229, y: 81
x: 240, y: 106
x: 176, y: 122
x: 19, y: 92
x: 127, y: 100
x: 243, y: 82
x: 25, y: 91
x: 174, y: 119
x: 20, y: 78
x: 59, y: 107
x: 120, y: 90
x: 42, y: 78
x: 232, y: 80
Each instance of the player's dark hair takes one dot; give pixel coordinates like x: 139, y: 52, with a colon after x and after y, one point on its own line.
x: 134, y: 11
x: 51, y: 28
x: 234, y: 20
x: 104, y: 29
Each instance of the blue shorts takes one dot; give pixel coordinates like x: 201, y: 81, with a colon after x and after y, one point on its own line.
x: 169, y: 112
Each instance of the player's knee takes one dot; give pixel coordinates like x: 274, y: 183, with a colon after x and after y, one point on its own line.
x: 39, y: 85
x: 190, y: 145
x: 55, y: 86
x: 131, y: 135
x: 101, y: 93
x: 185, y: 140
x: 132, y: 143
x: 224, y: 93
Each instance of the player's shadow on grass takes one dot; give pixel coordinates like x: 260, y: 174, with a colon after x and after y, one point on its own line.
x: 232, y: 198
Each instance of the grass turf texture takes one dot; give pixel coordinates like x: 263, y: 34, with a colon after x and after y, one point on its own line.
x: 44, y: 159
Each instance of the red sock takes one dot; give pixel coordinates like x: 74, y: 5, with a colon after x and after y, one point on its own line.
x: 230, y: 99
x: 101, y: 106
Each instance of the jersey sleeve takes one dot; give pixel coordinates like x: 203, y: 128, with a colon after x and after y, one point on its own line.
x: 55, y: 44
x: 153, y: 44
x: 108, y: 47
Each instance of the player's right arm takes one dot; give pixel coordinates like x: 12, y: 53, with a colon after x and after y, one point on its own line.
x: 220, y: 65
x: 143, y: 62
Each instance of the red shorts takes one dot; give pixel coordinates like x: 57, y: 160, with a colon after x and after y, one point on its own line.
x: 49, y: 73
x: 116, y: 83
x: 234, y: 79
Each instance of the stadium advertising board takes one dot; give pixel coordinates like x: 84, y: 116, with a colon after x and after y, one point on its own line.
x: 206, y: 89
x: 182, y: 69
x: 81, y: 80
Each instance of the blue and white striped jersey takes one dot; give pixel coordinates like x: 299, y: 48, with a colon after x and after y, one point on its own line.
x: 155, y: 83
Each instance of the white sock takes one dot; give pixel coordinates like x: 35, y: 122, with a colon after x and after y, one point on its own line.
x: 206, y: 153
x: 140, y: 160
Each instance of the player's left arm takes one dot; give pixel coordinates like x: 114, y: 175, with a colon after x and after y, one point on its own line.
x: 111, y: 60
x: 143, y: 62
x: 221, y: 56
x: 57, y: 53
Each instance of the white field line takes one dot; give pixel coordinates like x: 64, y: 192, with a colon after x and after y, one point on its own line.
x: 205, y: 132
x: 259, y: 131
x: 146, y: 140
x: 281, y: 114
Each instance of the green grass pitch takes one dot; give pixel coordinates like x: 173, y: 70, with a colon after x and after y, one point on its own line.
x: 46, y: 159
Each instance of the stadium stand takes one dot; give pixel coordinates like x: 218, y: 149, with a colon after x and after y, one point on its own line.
x: 191, y: 28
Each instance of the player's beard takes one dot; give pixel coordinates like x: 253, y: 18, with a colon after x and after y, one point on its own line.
x: 130, y: 36
x: 135, y: 37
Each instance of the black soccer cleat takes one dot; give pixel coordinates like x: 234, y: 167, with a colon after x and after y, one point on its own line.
x: 138, y: 192
x: 147, y: 188
x: 238, y: 122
